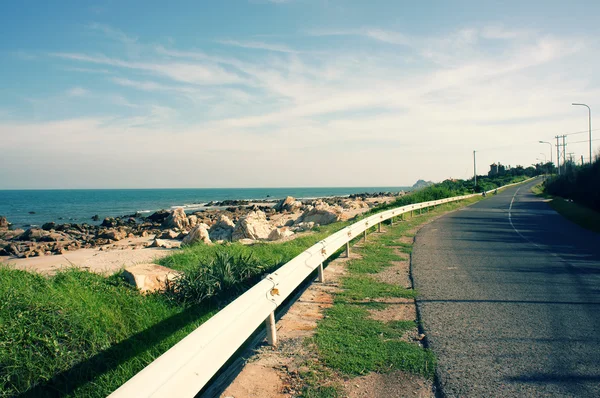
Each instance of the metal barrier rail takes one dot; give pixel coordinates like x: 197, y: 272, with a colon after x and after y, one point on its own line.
x: 185, y: 369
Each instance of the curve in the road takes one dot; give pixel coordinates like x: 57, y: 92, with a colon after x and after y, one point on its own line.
x: 509, y: 297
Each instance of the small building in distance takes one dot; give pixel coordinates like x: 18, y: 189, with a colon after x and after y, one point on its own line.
x: 497, y: 169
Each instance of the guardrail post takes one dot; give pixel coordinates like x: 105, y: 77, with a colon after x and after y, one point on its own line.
x: 411, y: 214
x: 271, y: 330
x: 347, y: 249
x: 365, y: 236
x: 321, y: 276
x: 379, y: 227
x: 392, y: 221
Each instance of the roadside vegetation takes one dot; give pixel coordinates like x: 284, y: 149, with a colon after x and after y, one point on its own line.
x: 349, y: 342
x: 575, y: 194
x: 81, y: 334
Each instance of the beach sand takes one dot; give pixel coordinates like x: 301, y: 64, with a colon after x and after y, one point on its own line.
x: 106, y: 261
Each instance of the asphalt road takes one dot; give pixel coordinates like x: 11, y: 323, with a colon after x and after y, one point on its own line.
x: 509, y: 297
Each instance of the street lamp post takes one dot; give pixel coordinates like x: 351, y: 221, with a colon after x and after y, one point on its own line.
x: 549, y: 143
x: 590, y: 126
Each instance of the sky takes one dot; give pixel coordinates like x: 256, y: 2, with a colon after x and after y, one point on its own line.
x: 288, y: 93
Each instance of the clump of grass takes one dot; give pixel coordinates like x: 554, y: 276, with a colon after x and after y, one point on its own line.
x: 225, y: 275
x: 351, y: 342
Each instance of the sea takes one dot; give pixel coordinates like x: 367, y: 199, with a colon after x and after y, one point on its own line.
x: 27, y: 208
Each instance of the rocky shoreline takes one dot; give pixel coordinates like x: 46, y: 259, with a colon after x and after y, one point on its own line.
x: 224, y: 221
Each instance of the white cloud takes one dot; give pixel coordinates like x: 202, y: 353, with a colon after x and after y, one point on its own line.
x: 258, y: 45
x: 77, y: 92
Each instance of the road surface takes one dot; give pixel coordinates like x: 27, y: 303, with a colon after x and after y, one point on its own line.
x: 509, y: 297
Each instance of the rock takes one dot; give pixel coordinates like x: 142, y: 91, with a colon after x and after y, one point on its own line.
x: 144, y: 234
x: 321, y: 214
x: 114, y: 234
x: 48, y: 226
x: 4, y: 224
x: 165, y: 244
x: 149, y: 277
x: 33, y: 234
x: 96, y: 217
x: 288, y: 204
x: 280, y: 233
x: 56, y: 237
x: 169, y: 234
x: 159, y: 216
x: 247, y: 241
x: 9, y: 234
x: 109, y: 222
x: 303, y: 226
x: 192, y: 220
x: 254, y: 225
x: 177, y: 219
x: 222, y: 229
x: 198, y: 234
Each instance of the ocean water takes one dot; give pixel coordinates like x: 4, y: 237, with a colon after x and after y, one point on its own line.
x: 26, y: 208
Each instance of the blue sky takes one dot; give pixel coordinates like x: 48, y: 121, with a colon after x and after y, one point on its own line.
x: 287, y: 93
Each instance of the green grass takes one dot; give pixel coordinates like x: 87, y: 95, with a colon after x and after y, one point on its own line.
x: 359, y: 288
x: 270, y: 255
x: 350, y: 342
x: 81, y: 334
x: 572, y: 211
x: 578, y: 214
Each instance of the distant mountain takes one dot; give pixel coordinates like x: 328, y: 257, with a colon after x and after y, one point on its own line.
x: 421, y: 184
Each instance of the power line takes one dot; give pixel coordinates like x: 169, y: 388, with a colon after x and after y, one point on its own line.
x: 586, y: 141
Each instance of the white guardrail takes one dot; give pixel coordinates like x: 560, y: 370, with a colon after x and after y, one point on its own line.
x: 185, y: 369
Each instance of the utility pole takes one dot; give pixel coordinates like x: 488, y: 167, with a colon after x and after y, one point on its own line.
x: 564, y: 144
x: 582, y: 160
x: 557, y: 155
x: 474, y: 172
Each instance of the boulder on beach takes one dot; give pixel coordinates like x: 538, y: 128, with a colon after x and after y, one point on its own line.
x: 321, y: 214
x: 198, y: 234
x: 288, y: 204
x: 222, y: 229
x: 149, y: 277
x: 169, y: 234
x: 114, y: 234
x: 192, y: 220
x: 254, y: 226
x: 303, y: 226
x: 177, y: 219
x: 4, y: 224
x: 33, y: 234
x: 280, y: 233
x: 166, y: 244
x: 48, y: 226
x: 159, y: 216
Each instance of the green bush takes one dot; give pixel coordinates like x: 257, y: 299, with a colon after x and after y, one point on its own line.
x: 226, y: 275
x: 580, y: 184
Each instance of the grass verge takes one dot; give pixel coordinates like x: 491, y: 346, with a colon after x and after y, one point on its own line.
x: 80, y: 334
x: 572, y: 211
